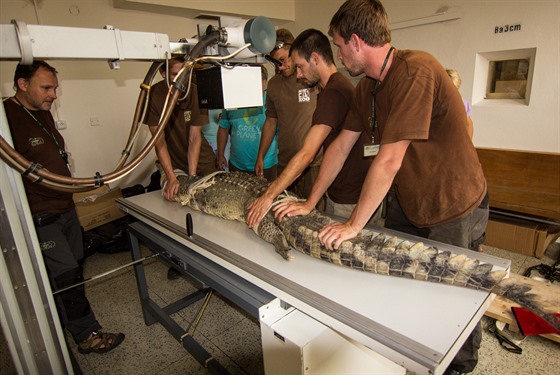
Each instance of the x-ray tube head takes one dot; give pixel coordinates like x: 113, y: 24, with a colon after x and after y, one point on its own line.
x: 258, y: 31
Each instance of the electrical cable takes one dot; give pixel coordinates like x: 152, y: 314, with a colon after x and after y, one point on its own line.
x: 551, y: 273
x: 140, y: 110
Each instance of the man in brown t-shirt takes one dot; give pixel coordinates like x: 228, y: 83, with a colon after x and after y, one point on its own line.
x: 312, y: 55
x: 289, y: 109
x: 418, y: 130
x: 183, y: 149
x: 36, y: 138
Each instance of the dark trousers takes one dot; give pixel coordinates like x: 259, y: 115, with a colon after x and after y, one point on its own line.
x: 467, y: 232
x: 63, y: 252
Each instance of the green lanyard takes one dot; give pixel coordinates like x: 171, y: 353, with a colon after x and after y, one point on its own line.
x: 61, y: 151
x: 373, y: 92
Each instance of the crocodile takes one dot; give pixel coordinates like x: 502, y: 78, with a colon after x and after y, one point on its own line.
x: 228, y: 194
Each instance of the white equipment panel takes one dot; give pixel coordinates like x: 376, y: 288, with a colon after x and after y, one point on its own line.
x: 56, y: 42
x: 295, y: 343
x: 243, y: 78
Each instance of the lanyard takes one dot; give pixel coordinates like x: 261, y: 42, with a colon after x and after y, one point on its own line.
x: 373, y: 92
x: 61, y: 151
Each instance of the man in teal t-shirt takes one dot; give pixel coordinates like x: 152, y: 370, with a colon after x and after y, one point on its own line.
x: 244, y: 126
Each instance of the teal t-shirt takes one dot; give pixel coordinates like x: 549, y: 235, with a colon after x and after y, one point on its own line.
x: 209, y: 130
x: 245, y: 126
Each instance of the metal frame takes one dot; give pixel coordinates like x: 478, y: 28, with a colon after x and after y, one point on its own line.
x: 27, y: 312
x: 210, y: 275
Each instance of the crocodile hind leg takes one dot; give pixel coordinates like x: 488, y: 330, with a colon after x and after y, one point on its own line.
x: 269, y: 231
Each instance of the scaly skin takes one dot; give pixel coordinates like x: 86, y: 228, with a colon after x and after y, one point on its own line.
x: 227, y: 195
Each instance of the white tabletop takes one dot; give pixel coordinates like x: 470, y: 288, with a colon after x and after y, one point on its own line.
x: 406, y: 320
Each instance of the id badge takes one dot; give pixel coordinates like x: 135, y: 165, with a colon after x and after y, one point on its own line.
x: 370, y: 150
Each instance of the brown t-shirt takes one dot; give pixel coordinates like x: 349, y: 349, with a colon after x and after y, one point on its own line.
x: 292, y: 104
x: 186, y: 113
x: 441, y: 178
x: 333, y: 104
x: 37, y: 145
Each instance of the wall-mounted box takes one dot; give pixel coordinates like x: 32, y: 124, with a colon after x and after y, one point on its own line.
x: 494, y: 69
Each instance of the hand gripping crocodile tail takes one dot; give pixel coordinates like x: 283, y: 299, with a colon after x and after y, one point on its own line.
x: 227, y: 195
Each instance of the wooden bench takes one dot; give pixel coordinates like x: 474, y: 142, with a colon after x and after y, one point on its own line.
x: 523, y: 182
x: 524, y: 189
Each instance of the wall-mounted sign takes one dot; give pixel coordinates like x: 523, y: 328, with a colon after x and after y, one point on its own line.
x: 507, y: 28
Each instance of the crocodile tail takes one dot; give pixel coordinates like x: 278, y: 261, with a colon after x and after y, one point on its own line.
x: 523, y: 291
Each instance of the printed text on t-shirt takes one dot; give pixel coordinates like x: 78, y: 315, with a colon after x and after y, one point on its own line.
x: 303, y: 95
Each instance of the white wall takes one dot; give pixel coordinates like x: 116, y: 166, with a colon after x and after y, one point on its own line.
x: 280, y: 11
x: 90, y: 90
x: 535, y: 127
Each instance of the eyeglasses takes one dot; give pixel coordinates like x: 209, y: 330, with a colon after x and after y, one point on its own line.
x: 281, y: 44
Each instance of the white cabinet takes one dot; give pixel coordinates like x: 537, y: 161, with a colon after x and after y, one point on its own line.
x: 295, y: 343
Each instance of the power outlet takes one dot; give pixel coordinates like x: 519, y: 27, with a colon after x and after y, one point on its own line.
x: 60, y: 124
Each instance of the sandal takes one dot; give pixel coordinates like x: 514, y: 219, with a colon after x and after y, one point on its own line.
x: 100, y: 342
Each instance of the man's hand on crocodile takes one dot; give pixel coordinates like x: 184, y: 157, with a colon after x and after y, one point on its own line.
x: 332, y: 235
x: 170, y: 189
x: 291, y: 209
x: 257, y: 210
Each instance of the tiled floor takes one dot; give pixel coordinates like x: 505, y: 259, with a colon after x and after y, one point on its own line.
x: 232, y: 336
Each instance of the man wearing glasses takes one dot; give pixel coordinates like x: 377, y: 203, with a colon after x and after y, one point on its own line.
x: 289, y: 109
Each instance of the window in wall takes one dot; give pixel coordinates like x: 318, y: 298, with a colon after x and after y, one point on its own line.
x: 504, y: 78
x: 507, y: 79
